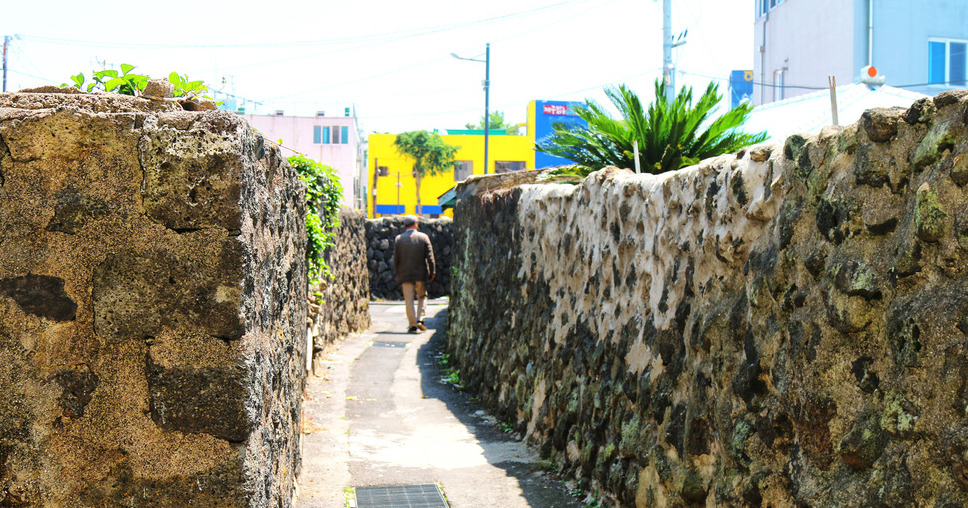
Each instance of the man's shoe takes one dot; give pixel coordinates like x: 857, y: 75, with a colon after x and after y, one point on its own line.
x: 412, y: 329
x: 421, y: 325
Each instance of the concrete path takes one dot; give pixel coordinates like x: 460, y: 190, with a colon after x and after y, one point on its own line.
x: 377, y: 413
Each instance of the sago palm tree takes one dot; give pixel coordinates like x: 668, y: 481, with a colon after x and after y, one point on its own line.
x: 670, y: 134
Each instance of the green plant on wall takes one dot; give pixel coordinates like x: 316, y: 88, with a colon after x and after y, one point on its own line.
x: 126, y: 82
x: 323, y: 194
x: 670, y: 134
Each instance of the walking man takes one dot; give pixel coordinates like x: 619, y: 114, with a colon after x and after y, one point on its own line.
x: 413, y: 262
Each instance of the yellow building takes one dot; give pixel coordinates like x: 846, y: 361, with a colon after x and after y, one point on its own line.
x: 396, y: 187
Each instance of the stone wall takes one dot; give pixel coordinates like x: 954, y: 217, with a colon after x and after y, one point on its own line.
x: 341, y: 305
x: 152, y: 306
x: 785, y: 326
x: 380, y: 236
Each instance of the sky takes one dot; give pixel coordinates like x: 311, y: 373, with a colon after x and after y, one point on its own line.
x: 391, y: 62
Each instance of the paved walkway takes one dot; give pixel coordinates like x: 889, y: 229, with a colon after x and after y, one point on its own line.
x: 377, y: 413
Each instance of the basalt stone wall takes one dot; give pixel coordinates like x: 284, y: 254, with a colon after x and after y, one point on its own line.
x: 786, y: 326
x: 380, y: 236
x: 341, y: 305
x: 152, y: 306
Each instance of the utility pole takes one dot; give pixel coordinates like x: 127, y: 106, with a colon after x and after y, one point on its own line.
x: 487, y: 94
x: 487, y: 99
x: 6, y: 44
x: 376, y: 174
x: 667, y: 67
x: 398, y: 195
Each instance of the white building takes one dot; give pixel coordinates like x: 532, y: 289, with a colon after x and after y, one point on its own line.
x: 917, y: 45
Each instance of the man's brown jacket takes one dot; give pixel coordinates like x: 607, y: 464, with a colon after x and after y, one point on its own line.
x: 413, y: 257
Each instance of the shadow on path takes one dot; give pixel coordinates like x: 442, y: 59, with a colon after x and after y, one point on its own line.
x: 540, y: 488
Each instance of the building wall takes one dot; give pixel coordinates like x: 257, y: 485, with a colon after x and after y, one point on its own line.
x: 383, y: 153
x: 296, y: 133
x: 815, y: 39
x: 812, y: 38
x: 901, y: 32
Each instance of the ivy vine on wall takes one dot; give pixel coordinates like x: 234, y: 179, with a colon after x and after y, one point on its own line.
x: 323, y: 194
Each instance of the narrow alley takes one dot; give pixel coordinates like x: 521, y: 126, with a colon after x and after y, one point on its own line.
x: 377, y: 413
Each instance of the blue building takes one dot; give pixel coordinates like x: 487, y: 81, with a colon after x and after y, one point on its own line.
x: 917, y: 45
x: 542, y: 115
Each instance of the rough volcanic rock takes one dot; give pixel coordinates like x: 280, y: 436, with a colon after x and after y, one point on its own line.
x: 152, y: 306
x: 781, y: 327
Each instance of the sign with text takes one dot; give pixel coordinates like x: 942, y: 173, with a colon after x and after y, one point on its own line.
x: 556, y: 109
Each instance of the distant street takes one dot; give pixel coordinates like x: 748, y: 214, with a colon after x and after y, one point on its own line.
x: 377, y: 413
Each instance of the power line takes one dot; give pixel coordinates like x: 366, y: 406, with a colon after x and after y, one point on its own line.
x: 382, y: 38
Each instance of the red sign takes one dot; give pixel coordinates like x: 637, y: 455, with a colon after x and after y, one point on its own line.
x: 555, y: 109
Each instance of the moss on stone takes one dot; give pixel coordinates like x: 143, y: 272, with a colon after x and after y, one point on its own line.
x: 929, y: 215
x: 898, y: 416
x: 940, y: 137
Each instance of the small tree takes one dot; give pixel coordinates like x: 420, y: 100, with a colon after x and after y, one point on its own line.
x: 431, y: 155
x: 670, y: 135
x: 497, y: 122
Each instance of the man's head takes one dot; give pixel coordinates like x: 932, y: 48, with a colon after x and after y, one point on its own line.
x: 410, y: 222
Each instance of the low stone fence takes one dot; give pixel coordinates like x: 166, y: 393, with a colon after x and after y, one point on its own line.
x: 341, y: 305
x: 785, y: 326
x: 152, y: 306
x: 380, y: 236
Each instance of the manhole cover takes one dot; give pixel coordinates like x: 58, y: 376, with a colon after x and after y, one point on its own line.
x: 390, y: 344
x: 400, y: 496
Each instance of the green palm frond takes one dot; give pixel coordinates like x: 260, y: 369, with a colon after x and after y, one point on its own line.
x: 670, y: 134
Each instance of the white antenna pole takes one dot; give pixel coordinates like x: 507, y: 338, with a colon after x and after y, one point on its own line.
x: 832, y: 80
x: 635, y: 148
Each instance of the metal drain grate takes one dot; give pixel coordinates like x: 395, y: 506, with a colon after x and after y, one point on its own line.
x: 400, y: 496
x: 390, y: 344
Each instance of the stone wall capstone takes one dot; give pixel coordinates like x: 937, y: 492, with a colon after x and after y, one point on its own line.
x: 380, y: 236
x: 785, y: 326
x: 343, y: 303
x: 152, y: 306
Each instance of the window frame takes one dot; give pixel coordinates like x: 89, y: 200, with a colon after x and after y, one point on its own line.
x: 503, y: 166
x: 763, y: 7
x: 470, y: 170
x: 948, y: 80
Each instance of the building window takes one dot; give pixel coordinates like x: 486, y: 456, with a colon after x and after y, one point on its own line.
x: 765, y: 6
x: 325, y: 136
x: 947, y: 62
x: 508, y: 166
x: 463, y: 170
x: 317, y: 134
x: 779, y: 81
x: 383, y: 170
x: 345, y: 138
x: 336, y: 135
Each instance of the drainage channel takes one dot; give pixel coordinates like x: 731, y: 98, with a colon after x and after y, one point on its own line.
x: 427, y: 495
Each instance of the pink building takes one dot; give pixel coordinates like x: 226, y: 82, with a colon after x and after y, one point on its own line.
x: 331, y: 140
